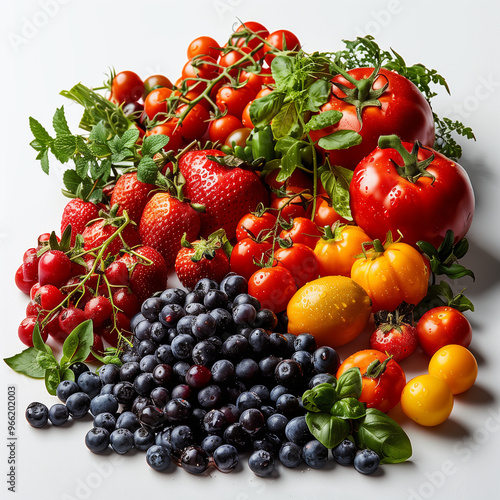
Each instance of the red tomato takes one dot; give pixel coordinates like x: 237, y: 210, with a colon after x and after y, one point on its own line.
x: 419, y: 207
x: 203, y: 45
x: 291, y: 207
x: 442, y: 326
x: 156, y: 102
x: 325, y: 214
x: 220, y: 128
x: 273, y: 287
x: 233, y: 99
x: 245, y: 116
x: 238, y: 137
x: 237, y: 58
x: 254, y: 80
x: 281, y: 40
x: 253, y: 42
x: 126, y: 87
x: 403, y: 111
x: 383, y: 378
x: 255, y: 226
x: 301, y: 261
x: 195, y: 123
x: 201, y: 67
x: 303, y: 231
x: 155, y: 82
x: 297, y: 182
x: 244, y: 255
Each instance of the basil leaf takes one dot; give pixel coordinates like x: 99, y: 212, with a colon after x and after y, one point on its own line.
x: 38, y: 342
x: 350, y: 383
x: 317, y: 95
x: 46, y: 361
x: 264, y: 109
x: 285, y: 120
x: 342, y: 139
x: 348, y: 408
x: 325, y: 119
x: 327, y: 429
x: 380, y: 433
x: 282, y: 68
x: 77, y: 345
x: 26, y: 364
x: 52, y: 380
x: 319, y: 398
x: 289, y: 162
x: 68, y: 374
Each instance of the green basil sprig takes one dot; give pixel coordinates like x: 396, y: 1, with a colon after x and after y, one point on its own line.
x: 334, y: 413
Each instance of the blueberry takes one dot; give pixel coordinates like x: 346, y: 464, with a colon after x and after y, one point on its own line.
x: 97, y: 439
x: 209, y: 397
x: 185, y: 325
x: 268, y: 442
x: 211, y: 443
x: 135, y: 320
x: 204, y: 326
x: 233, y: 390
x: 164, y: 354
x: 244, y: 314
x: 124, y: 392
x: 105, y: 420
x: 196, y: 308
x: 259, y: 342
x: 315, y: 454
x: 182, y: 346
x: 247, y: 370
x: 290, y: 454
x: 179, y: 370
x: 160, y: 396
x: 58, y: 414
x: 121, y: 440
x: 194, y: 297
x: 178, y: 410
x: 144, y: 383
x: 109, y: 374
x: 267, y: 410
x: 194, y: 459
x: 245, y: 298
x: 267, y: 365
x: 277, y: 391
x: 181, y: 437
x: 262, y: 391
x: 326, y: 360
x: 37, y: 414
x: 158, y: 457
x: 148, y: 363
x: 252, y: 421
x: 344, y: 452
x: 159, y: 332
x: 107, y: 389
x: 235, y: 347
x: 162, y: 374
x: 214, y: 421
x: 247, y: 400
x: 206, y: 284
x: 304, y: 359
x: 78, y: 404
x: 171, y: 314
x: 288, y: 373
x: 151, y: 307
x: 214, y: 299
x: 103, y: 403
x: 79, y: 368
x: 130, y: 355
x: 225, y: 457
x: 261, y: 463
x: 266, y: 319
x: 129, y: 370
x: 142, y: 330
x: 162, y: 438
x: 235, y: 435
x: 222, y: 371
x: 128, y: 420
x: 146, y: 347
x: 173, y: 296
x: 234, y: 285
x: 65, y: 389
x: 276, y: 424
x: 223, y: 320
x: 90, y: 383
x: 288, y: 405
x: 321, y: 378
x: 139, y: 403
x: 204, y: 353
x: 297, y: 431
x: 304, y: 342
x: 366, y: 461
x: 278, y: 344
x: 152, y: 418
x: 143, y: 439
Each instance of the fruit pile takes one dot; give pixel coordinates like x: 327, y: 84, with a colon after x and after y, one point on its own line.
x: 296, y: 196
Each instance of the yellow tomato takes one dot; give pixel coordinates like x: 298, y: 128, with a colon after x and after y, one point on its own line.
x: 456, y: 365
x: 427, y: 400
x: 334, y: 309
x: 392, y: 273
x: 337, y: 250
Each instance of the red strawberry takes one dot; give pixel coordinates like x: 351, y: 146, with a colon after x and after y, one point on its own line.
x: 131, y: 195
x: 164, y: 220
x: 202, y: 259
x: 228, y: 193
x: 78, y: 213
x: 148, y: 271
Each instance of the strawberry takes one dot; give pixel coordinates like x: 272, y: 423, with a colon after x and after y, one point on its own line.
x: 131, y: 195
x: 148, y: 271
x: 164, y: 220
x: 78, y: 213
x: 202, y: 259
x: 227, y: 193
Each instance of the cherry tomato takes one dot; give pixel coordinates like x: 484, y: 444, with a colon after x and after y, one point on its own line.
x: 24, y: 285
x: 255, y: 226
x: 204, y: 67
x: 385, y: 198
x: 238, y: 137
x: 297, y: 182
x: 281, y: 40
x: 170, y: 129
x: 54, y: 268
x: 303, y: 231
x: 291, y: 207
x: 383, y: 378
x: 127, y: 301
x: 156, y: 102
x: 244, y: 255
x: 336, y: 251
x: 126, y: 87
x: 204, y: 45
x: 273, y: 287
x: 238, y: 58
x: 49, y: 297
x: 233, y: 100
x: 195, y: 123
x: 442, y: 326
x: 427, y: 400
x: 301, y: 261
x: 154, y: 82
x: 403, y: 111
x: 220, y: 128
x: 254, y: 80
x: 253, y: 42
x: 245, y: 116
x: 98, y: 309
x: 25, y: 331
x: 325, y: 214
x: 456, y: 365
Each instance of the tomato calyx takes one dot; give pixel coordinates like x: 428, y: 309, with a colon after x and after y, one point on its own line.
x: 334, y: 232
x: 412, y: 169
x: 377, y: 247
x: 376, y: 368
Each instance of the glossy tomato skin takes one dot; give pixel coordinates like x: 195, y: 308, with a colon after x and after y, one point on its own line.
x: 245, y: 253
x: 273, y: 287
x: 404, y: 111
x: 303, y: 231
x: 126, y: 87
x: 382, y: 200
x: 220, y: 128
x: 383, y: 391
x: 301, y: 261
x: 442, y: 326
x: 256, y: 226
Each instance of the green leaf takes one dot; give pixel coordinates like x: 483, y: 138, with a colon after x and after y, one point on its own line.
x: 41, y: 135
x: 317, y: 95
x: 26, y: 364
x: 46, y: 361
x: 129, y: 138
x: 99, y: 133
x: 43, y: 156
x: 100, y: 170
x: 350, y: 383
x: 264, y: 109
x: 38, y: 342
x: 147, y: 170
x: 152, y: 144
x: 59, y: 122
x: 71, y: 180
x: 284, y: 121
x: 348, y: 408
x: 52, y: 380
x: 320, y: 398
x: 64, y: 147
x: 327, y: 429
x: 341, y: 139
x: 77, y: 345
x: 322, y: 120
x: 290, y: 161
x: 68, y: 374
x: 282, y: 68
x: 380, y: 433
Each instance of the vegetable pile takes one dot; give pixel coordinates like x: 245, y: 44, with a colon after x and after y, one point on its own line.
x: 296, y: 197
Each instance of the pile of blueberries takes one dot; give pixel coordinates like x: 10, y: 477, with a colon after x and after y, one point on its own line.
x: 211, y: 375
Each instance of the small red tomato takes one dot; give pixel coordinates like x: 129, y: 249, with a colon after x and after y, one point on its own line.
x: 98, y: 309
x: 442, y: 326
x: 25, y: 331
x: 303, y: 231
x: 49, y: 297
x: 255, y: 226
x: 126, y: 87
x: 220, y: 128
x: 301, y: 261
x: 24, y: 285
x: 273, y: 287
x: 54, y: 268
x: 246, y: 253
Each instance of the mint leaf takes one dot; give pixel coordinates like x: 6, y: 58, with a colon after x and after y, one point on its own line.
x: 129, y: 137
x: 350, y: 383
x: 41, y: 135
x: 152, y: 144
x: 342, y: 139
x: 64, y: 147
x: 72, y: 180
x: 99, y: 133
x: 327, y: 429
x: 43, y: 156
x: 147, y: 170
x: 59, y: 122
x: 77, y: 345
x: 26, y: 364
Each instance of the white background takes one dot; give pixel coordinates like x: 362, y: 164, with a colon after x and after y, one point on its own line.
x: 49, y: 46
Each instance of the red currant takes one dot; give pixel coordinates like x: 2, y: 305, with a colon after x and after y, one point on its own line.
x: 54, y: 268
x: 117, y: 273
x: 126, y: 301
x: 70, y: 318
x: 32, y: 309
x: 30, y: 265
x: 49, y: 297
x: 25, y: 331
x: 21, y: 283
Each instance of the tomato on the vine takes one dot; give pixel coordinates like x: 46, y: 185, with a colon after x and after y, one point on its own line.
x: 204, y: 67
x: 412, y: 190
x: 170, y: 129
x: 281, y: 40
x: 246, y: 253
x: 195, y: 123
x: 293, y: 206
x: 255, y: 226
x: 304, y: 231
x: 238, y: 137
x: 155, y: 82
x: 301, y: 261
x: 126, y: 86
x: 442, y: 326
x: 234, y: 99
x: 240, y: 58
x: 156, y: 102
x: 251, y: 41
x: 220, y: 128
x: 204, y: 46
x: 325, y: 214
x: 383, y: 378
